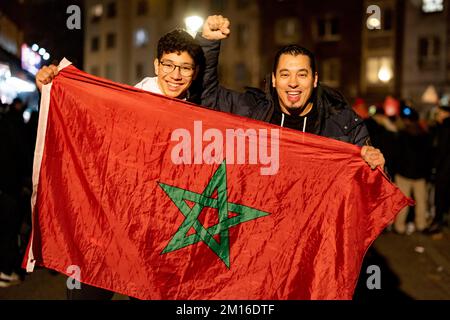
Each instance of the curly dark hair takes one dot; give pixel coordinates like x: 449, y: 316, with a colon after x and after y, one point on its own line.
x: 178, y: 41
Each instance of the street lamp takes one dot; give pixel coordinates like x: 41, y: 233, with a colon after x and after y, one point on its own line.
x: 193, y: 24
x: 374, y: 23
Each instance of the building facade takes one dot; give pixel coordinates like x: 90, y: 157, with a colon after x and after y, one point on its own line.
x: 15, y: 81
x: 364, y: 48
x: 381, y: 49
x: 426, y: 52
x: 121, y: 37
x: 330, y: 29
x: 11, y: 37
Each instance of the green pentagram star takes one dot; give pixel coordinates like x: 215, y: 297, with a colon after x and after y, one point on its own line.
x: 179, y: 197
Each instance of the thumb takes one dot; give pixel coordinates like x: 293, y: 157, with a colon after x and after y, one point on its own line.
x: 364, y: 151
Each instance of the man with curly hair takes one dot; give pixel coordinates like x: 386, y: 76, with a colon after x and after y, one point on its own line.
x: 177, y: 65
x: 179, y: 59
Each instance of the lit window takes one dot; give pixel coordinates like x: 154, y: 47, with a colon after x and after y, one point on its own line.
x: 379, y: 70
x: 429, y: 6
x: 140, y: 37
x: 374, y: 23
x: 96, y: 13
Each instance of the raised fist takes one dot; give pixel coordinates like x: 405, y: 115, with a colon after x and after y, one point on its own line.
x: 216, y: 28
x: 45, y: 75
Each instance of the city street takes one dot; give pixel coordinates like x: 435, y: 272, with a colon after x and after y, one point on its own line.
x: 412, y: 267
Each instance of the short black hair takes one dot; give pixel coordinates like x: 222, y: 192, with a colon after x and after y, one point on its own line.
x: 179, y: 41
x: 295, y: 50
x: 16, y: 101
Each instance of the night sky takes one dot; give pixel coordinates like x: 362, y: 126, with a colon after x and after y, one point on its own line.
x: 44, y: 23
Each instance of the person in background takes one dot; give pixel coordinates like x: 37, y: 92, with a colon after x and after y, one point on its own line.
x: 13, y: 177
x: 412, y: 167
x: 441, y: 166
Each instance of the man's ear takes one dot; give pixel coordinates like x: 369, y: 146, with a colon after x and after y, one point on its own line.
x: 156, y: 64
x: 273, y: 80
x: 316, y: 79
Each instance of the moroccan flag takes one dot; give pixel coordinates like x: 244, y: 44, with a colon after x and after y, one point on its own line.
x: 156, y: 198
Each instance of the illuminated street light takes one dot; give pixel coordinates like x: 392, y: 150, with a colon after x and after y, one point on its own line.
x: 42, y: 51
x: 193, y: 24
x: 374, y: 23
x: 35, y: 47
x: 46, y: 56
x: 432, y: 6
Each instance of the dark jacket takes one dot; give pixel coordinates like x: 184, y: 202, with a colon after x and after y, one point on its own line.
x: 13, y: 156
x: 412, y: 152
x: 335, y: 119
x: 442, y: 149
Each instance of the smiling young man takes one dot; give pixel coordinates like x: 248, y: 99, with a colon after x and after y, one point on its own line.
x: 177, y: 65
x: 179, y: 59
x: 293, y: 97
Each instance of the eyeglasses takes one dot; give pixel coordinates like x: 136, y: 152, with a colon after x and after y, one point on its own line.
x: 186, y: 70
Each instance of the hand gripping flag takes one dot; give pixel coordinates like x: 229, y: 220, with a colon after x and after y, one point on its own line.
x: 156, y: 198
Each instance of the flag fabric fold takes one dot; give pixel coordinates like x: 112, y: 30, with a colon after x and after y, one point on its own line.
x: 156, y: 198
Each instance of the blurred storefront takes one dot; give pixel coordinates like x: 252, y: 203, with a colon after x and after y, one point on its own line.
x: 18, y: 64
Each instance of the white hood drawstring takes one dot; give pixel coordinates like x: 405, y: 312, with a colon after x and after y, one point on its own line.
x: 304, y: 122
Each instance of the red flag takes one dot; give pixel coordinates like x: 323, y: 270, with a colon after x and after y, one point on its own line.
x: 159, y: 199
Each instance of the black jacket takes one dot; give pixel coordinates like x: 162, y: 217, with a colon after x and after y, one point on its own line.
x: 442, y: 149
x: 412, y: 153
x: 335, y: 119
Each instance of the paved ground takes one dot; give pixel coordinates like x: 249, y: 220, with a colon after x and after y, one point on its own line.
x: 412, y: 267
x: 421, y: 264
